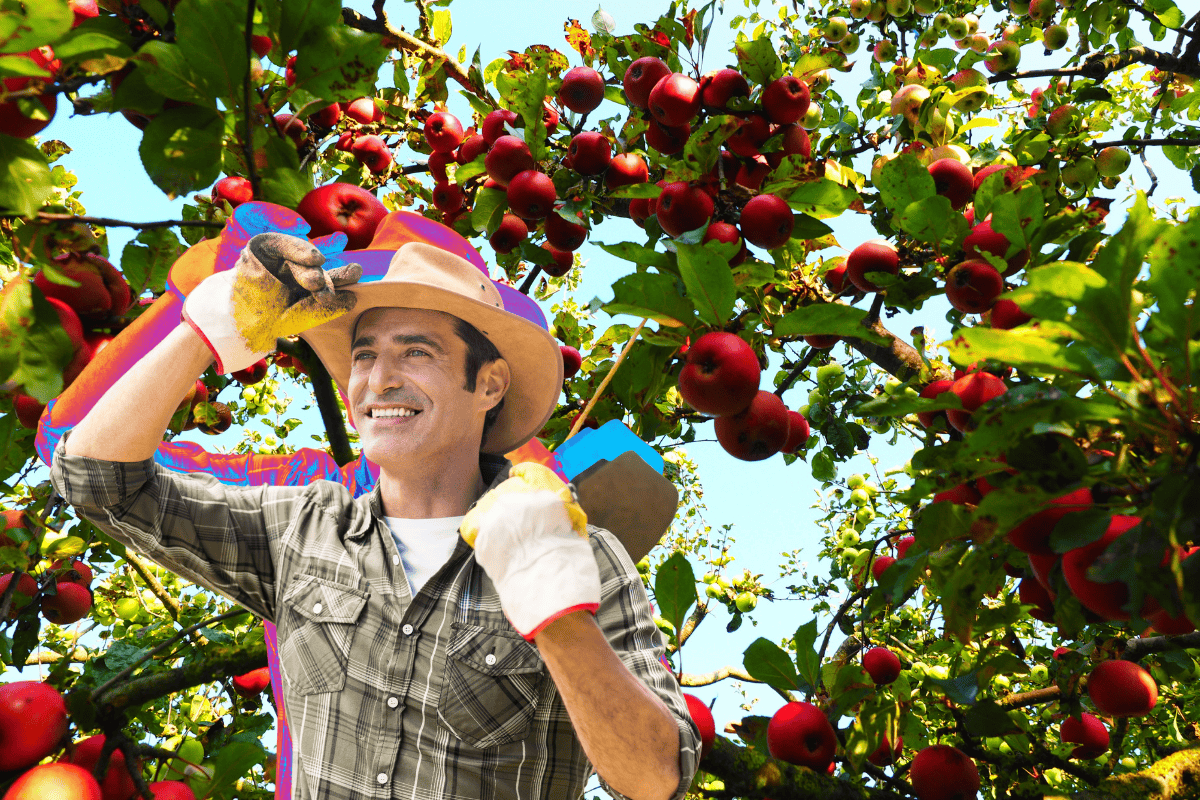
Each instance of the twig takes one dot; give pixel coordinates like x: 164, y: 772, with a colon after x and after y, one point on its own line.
x: 832, y: 624
x: 600, y: 389
x: 1099, y: 66
x: 529, y: 279
x: 248, y: 144
x: 795, y: 373
x: 322, y: 384
x: 143, y: 571
x: 1150, y: 172
x: 1146, y: 143
x: 873, y: 315
x: 105, y: 222
x: 6, y: 601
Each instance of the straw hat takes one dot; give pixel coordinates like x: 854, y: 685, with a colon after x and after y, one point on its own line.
x: 429, y: 269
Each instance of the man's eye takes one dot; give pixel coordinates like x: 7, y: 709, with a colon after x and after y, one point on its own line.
x: 418, y: 351
x: 361, y: 355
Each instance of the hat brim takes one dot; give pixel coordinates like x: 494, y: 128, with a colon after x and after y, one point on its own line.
x: 533, y: 356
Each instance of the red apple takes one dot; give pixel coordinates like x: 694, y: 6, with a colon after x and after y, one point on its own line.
x: 800, y: 734
x: 117, y: 783
x: 582, y: 90
x: 75, y: 572
x: 983, y: 239
x: 346, y: 139
x: 879, y: 565
x: 373, y: 153
x: 682, y: 208
x: 767, y: 221
x: 729, y: 234
x: 512, y: 232
x: 448, y: 197
x: 342, y: 207
x: 798, y: 431
x: 590, y: 153
x: 508, y: 156
x: 882, y: 665
x: 572, y: 361
x: 57, y: 781
x: 973, y: 391
x: 717, y: 88
x: 443, y: 132
x: 102, y: 292
x: 328, y: 116
x: 224, y: 416
x: 820, y: 341
x: 641, y: 77
x: 932, y: 389
x: 531, y: 194
x: 786, y: 99
x: 953, y: 180
x: 171, y: 790
x: 1033, y: 534
x: 639, y: 211
x: 253, y: 682
x: 28, y: 411
x: 960, y: 495
x: 12, y: 120
x: 33, y: 720
x: 26, y: 586
x: 758, y: 432
x: 493, y: 124
x: 625, y: 169
x: 472, y: 148
x: 675, y: 99
x: 702, y: 716
x: 289, y: 72
x: 1106, y: 599
x: 261, y: 45
x: 563, y: 261
x: 251, y: 374
x: 873, y: 256
x: 233, y: 189
x: 1032, y: 593
x: 902, y: 545
x: 667, y: 140
x: 1164, y: 623
x: 942, y: 772
x: 750, y: 135
x: 796, y: 142
x: 364, y: 111
x: 563, y: 235
x: 973, y: 286
x: 549, y: 117
x: 1122, y: 689
x: 885, y: 753
x: 1088, y: 732
x: 70, y: 604
x: 292, y: 127
x: 721, y: 374
x: 1007, y: 315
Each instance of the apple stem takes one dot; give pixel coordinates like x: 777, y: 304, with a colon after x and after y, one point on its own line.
x: 600, y: 389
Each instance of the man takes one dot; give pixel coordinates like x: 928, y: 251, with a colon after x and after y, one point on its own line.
x: 498, y: 671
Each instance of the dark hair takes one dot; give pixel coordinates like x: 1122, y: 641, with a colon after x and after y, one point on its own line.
x: 480, y: 351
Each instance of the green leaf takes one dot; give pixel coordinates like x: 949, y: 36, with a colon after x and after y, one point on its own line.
x: 335, y: 62
x: 767, y: 662
x: 758, y: 61
x: 443, y: 26
x: 26, y: 25
x: 1175, y: 280
x: 45, y: 351
x: 986, y: 718
x: 899, y: 406
x: 85, y: 45
x: 637, y: 191
x: 822, y: 198
x: 638, y: 254
x: 295, y: 18
x: 203, y: 33
x: 830, y: 319
x: 229, y: 766
x: 709, y: 282
x: 805, y: 226
x: 903, y: 181
x: 1047, y: 347
x: 806, y: 654
x: 486, y: 203
x: 1082, y: 528
x: 1018, y: 215
x: 181, y: 149
x: 675, y: 589
x: 961, y: 690
x: 167, y: 71
x: 929, y: 220
x: 468, y: 171
x: 147, y: 260
x: 849, y: 688
x: 25, y: 182
x: 653, y: 295
x: 823, y: 468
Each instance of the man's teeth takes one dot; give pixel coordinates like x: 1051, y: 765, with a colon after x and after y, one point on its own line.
x: 376, y: 413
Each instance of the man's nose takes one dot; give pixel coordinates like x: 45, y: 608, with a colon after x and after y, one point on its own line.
x: 385, y: 375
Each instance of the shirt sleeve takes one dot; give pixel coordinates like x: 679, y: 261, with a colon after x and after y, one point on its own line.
x: 221, y: 537
x: 627, y: 621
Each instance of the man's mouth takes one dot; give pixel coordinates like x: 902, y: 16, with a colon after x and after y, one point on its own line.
x: 389, y: 413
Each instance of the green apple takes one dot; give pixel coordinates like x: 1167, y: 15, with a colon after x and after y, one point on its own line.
x: 859, y: 9
x: 128, y: 608
x: 958, y: 29
x: 878, y: 11
x: 855, y: 481
x: 1079, y: 174
x: 849, y: 538
x: 1128, y: 762
x: 941, y: 21
x: 835, y: 30
x: 850, y: 43
x: 644, y: 564
x: 1039, y: 673
x: 812, y: 118
x: 829, y: 377
x: 1054, y: 37
x: 709, y: 577
x: 860, y: 497
x: 929, y: 37
x: 1112, y: 161
x: 927, y: 7
x: 714, y: 591
x: 864, y: 515
x: 898, y: 8
x: 746, y: 601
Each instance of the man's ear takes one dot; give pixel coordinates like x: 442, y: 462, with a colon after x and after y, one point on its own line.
x: 493, y: 381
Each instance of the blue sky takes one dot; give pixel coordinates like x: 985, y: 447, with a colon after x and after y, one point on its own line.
x: 767, y: 503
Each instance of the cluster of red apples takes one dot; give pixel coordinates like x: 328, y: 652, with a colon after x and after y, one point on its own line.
x: 720, y: 377
x: 61, y: 592
x: 34, y: 725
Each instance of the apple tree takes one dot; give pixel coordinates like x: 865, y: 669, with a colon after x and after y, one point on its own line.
x: 1013, y: 606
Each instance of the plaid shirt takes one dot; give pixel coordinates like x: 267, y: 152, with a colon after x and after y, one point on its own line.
x: 388, y: 695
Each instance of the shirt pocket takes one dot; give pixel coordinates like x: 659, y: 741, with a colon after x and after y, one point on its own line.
x: 492, y: 682
x: 321, y: 617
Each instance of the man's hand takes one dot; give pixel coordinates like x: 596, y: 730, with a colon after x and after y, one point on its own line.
x: 530, y: 536
x: 275, y: 287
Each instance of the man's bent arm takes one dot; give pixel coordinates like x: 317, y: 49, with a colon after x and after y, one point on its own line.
x: 627, y: 731
x: 129, y: 421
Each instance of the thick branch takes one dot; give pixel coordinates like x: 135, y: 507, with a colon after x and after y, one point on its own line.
x: 748, y: 773
x: 1176, y: 777
x: 1147, y: 143
x: 105, y: 222
x: 708, y: 678
x: 331, y: 415
x: 1138, y: 648
x: 1099, y: 67
x: 220, y: 661
x: 898, y: 357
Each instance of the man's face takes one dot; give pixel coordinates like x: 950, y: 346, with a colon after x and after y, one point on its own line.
x: 405, y: 360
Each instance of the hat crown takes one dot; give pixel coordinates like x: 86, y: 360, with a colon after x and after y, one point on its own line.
x: 417, y: 262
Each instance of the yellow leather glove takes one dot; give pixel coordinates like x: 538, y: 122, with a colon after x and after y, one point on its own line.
x: 530, y: 536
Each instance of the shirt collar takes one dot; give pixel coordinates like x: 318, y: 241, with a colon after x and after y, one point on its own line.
x: 494, y: 469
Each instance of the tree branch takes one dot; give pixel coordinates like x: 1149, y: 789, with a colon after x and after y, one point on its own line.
x: 143, y: 571
x: 709, y: 678
x: 1138, y: 648
x: 1099, y: 66
x: 105, y: 222
x: 796, y: 370
x: 1147, y: 143
x: 331, y: 415
x: 248, y: 144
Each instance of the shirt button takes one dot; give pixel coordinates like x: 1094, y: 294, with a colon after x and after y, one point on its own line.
x: 490, y: 659
x: 318, y: 608
x: 408, y: 629
x: 395, y: 559
x: 381, y: 778
x: 393, y: 702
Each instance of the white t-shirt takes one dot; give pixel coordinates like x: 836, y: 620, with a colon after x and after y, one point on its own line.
x: 424, y: 545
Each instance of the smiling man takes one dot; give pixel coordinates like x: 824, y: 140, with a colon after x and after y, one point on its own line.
x: 459, y: 632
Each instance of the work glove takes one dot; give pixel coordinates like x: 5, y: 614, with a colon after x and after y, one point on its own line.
x: 530, y: 536
x: 269, y: 283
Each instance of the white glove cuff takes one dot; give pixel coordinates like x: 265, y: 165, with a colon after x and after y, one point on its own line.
x: 208, y: 310
x: 562, y: 578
